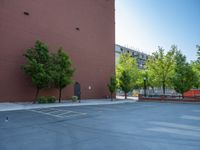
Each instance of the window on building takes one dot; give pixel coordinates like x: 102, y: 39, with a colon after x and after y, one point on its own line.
x: 142, y: 56
x: 134, y: 53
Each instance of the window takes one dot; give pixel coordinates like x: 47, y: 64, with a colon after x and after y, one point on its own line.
x: 143, y: 56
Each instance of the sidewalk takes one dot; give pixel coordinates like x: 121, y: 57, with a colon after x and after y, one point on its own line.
x: 28, y: 105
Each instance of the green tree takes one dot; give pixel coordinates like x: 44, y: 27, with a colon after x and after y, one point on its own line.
x: 160, y: 67
x: 127, y: 73
x: 184, y: 77
x: 39, y: 52
x: 140, y: 80
x: 112, y: 86
x: 152, y: 80
x: 125, y: 82
x: 198, y: 53
x: 196, y: 68
x: 37, y: 62
x: 61, y: 71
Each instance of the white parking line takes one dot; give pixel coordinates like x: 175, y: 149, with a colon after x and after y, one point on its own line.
x: 190, y: 117
x: 174, y: 131
x: 102, y: 108
x: 53, y: 111
x: 67, y: 112
x: 58, y: 113
x: 45, y: 113
x: 68, y: 116
x: 176, y: 125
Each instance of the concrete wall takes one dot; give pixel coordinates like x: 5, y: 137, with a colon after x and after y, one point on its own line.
x: 54, y: 22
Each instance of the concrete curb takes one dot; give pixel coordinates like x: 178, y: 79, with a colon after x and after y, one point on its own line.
x: 27, y: 106
x: 165, y: 101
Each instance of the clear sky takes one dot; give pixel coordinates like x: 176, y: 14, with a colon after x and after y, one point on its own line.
x: 147, y: 24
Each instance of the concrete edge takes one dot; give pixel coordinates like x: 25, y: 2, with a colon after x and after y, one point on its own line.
x: 15, y: 106
x: 163, y: 101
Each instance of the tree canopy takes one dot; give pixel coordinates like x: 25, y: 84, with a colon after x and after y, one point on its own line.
x: 196, y: 68
x: 37, y: 64
x: 183, y: 77
x: 160, y: 67
x: 125, y: 82
x: 127, y: 73
x: 198, y: 53
x: 61, y: 70
x: 48, y: 69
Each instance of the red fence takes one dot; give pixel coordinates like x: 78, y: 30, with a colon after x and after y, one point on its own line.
x: 169, y: 98
x: 192, y: 93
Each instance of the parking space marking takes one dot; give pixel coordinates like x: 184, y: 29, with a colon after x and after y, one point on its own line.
x: 65, y: 113
x: 44, y: 113
x: 102, y: 108
x: 60, y: 113
x: 52, y: 111
x: 74, y: 115
x: 72, y: 112
x: 190, y: 117
x: 174, y: 131
x: 176, y: 125
x: 48, y: 110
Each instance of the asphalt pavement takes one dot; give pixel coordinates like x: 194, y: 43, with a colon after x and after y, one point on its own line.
x: 129, y: 126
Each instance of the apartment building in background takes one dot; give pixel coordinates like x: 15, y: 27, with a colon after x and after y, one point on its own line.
x: 140, y: 57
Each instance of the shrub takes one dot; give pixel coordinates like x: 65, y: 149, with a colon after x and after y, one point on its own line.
x: 112, y: 86
x: 42, y: 100
x: 46, y: 99
x: 51, y: 99
x: 74, y: 98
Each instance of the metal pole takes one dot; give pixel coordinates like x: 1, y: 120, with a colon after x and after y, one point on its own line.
x: 145, y: 88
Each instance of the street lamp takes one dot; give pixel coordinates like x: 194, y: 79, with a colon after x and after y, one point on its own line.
x: 145, y: 86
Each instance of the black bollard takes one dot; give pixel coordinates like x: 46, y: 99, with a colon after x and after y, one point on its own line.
x: 6, y: 120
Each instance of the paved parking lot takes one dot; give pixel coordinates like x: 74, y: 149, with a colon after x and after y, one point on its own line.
x: 132, y: 126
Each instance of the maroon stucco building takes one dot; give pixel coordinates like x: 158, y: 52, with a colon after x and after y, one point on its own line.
x: 84, y: 28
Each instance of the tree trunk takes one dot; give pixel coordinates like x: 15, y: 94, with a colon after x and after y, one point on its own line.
x: 36, y: 95
x: 153, y: 89
x: 125, y: 95
x: 182, y: 95
x: 111, y: 96
x: 163, y: 87
x: 60, y: 91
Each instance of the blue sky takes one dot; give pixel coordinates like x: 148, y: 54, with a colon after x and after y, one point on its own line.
x: 147, y: 24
